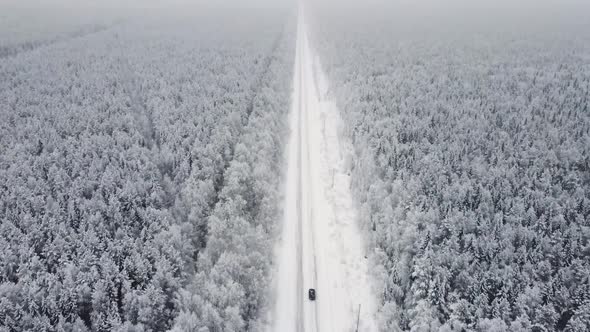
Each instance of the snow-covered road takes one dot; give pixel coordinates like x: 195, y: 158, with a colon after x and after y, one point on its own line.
x: 320, y: 246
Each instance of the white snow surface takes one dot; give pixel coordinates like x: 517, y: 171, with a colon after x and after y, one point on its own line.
x: 321, y: 244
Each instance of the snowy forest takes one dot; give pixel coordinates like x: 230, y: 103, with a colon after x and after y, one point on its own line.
x: 472, y: 170
x: 130, y: 153
x: 145, y: 148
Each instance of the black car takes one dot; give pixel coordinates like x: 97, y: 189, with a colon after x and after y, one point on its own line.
x: 311, y: 294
